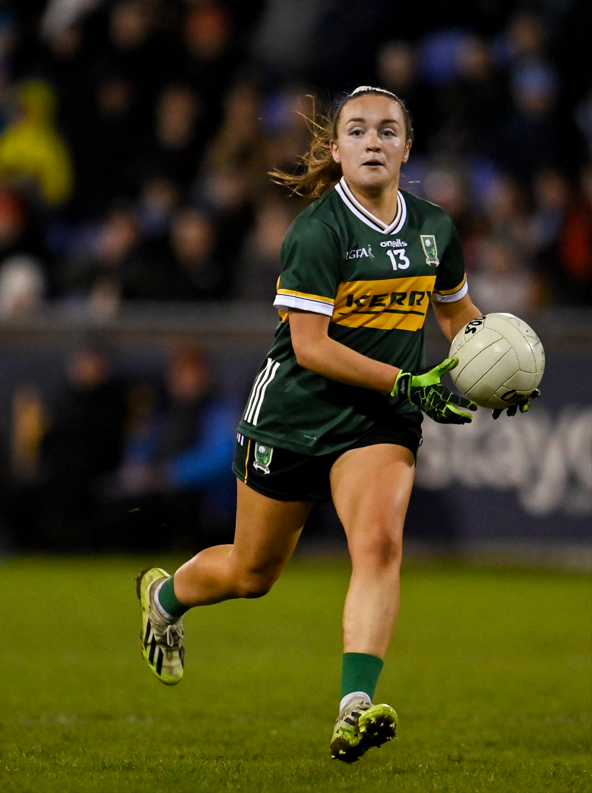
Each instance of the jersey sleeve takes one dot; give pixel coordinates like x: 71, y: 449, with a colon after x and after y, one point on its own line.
x: 451, y: 281
x: 310, y: 268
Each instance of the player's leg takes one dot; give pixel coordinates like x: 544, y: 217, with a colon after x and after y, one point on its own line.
x: 371, y: 488
x: 267, y: 531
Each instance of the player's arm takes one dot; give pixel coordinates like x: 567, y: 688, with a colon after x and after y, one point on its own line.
x: 317, y: 351
x: 454, y: 316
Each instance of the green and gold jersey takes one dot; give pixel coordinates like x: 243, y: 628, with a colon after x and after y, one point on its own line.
x: 376, y: 282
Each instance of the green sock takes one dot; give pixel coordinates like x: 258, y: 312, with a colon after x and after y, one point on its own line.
x: 360, y: 673
x: 169, y: 601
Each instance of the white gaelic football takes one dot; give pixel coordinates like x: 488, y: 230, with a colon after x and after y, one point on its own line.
x: 500, y: 360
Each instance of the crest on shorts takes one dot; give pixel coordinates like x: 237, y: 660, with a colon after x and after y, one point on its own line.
x: 263, y: 455
x: 428, y: 242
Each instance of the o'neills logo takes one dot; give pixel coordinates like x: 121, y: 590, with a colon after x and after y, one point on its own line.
x: 393, y: 244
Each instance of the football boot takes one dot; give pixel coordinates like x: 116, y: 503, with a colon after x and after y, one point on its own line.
x: 361, y: 726
x: 161, y: 640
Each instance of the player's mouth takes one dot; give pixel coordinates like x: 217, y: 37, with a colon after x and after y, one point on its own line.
x: 373, y: 164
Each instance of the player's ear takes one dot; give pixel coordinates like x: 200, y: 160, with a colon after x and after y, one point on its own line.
x: 407, y: 151
x: 334, y: 148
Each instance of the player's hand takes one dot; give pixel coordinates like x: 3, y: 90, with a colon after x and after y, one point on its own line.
x: 523, y: 406
x: 438, y: 402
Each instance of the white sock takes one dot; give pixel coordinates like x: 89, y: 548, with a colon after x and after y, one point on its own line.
x: 162, y: 611
x: 349, y: 697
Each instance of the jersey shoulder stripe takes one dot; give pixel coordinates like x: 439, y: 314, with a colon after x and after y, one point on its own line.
x: 290, y: 298
x: 452, y: 295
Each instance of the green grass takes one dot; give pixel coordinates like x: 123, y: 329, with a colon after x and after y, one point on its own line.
x: 489, y: 672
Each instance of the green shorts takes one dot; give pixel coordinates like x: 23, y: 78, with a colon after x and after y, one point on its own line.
x: 289, y: 476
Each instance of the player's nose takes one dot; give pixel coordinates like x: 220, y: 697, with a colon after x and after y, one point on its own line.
x: 373, y: 141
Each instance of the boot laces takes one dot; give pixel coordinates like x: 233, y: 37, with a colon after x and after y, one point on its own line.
x: 173, y: 634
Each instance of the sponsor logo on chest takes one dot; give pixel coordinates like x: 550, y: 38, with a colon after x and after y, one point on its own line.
x: 359, y: 253
x: 395, y: 250
x: 393, y: 243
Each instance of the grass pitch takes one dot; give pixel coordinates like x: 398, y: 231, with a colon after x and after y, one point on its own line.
x: 489, y: 672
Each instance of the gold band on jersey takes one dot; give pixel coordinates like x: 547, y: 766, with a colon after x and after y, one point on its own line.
x: 247, y: 461
x: 452, y: 295
x: 290, y: 298
x: 400, y: 303
x: 317, y: 298
x: 452, y: 291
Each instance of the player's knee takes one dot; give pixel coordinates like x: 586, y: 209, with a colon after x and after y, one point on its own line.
x: 380, y: 548
x: 253, y: 585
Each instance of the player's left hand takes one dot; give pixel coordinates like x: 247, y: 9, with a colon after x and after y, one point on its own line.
x: 523, y: 406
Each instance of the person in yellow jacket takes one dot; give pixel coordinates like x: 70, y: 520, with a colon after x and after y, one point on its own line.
x: 32, y: 149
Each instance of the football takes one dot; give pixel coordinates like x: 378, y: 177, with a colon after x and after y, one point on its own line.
x: 500, y: 360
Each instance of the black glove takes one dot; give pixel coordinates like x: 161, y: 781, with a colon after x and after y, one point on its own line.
x: 523, y: 406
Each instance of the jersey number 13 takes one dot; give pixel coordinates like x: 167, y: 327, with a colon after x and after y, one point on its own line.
x: 398, y: 259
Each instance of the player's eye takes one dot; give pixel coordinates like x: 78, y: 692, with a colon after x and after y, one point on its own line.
x: 389, y: 133
x: 356, y: 132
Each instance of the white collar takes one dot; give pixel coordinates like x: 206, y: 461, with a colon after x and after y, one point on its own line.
x: 368, y: 218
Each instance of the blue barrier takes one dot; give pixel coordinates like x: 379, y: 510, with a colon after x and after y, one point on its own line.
x: 523, y: 478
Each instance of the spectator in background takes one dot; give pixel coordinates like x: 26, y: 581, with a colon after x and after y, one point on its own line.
x: 531, y: 137
x: 177, y: 467
x: 398, y: 71
x: 503, y: 280
x: 22, y: 286
x: 82, y: 445
x: 158, y: 199
x: 551, y: 193
x: 104, y: 140
x: 447, y: 186
x: 469, y: 108
x: 260, y: 261
x: 19, y: 231
x: 173, y: 148
x: 209, y: 58
x: 525, y: 39
x: 192, y: 245
x: 32, y: 152
x: 506, y: 215
x: 24, y: 276
x: 574, y: 278
x: 114, y: 267
x: 227, y: 193
x: 95, y: 275
x: 133, y: 50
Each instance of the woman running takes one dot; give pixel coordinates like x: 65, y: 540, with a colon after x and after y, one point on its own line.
x: 335, y: 411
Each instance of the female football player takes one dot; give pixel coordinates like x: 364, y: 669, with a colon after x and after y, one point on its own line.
x: 336, y: 408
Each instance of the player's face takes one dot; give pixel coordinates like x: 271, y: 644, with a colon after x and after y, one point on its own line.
x: 371, y: 142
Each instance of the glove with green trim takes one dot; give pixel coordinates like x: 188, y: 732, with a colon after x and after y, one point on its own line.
x: 438, y: 402
x: 523, y: 406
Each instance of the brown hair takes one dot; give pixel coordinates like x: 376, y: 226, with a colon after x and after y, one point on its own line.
x: 318, y: 170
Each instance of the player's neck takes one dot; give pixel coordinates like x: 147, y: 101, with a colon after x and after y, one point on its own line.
x: 382, y: 203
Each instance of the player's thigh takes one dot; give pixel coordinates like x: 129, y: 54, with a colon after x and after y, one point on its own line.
x: 267, y: 530
x: 371, y: 487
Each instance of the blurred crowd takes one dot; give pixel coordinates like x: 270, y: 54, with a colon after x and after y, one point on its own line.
x: 136, y: 135
x: 107, y: 461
